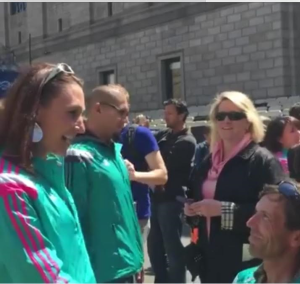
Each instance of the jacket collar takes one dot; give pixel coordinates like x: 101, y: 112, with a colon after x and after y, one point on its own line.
x: 170, y: 134
x: 247, y: 152
x: 182, y: 132
x: 88, y: 135
x: 260, y: 275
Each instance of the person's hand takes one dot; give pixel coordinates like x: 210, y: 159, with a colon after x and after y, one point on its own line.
x: 188, y: 211
x: 130, y: 169
x: 207, y: 208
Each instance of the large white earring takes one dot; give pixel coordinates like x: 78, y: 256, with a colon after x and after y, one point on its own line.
x: 37, y: 134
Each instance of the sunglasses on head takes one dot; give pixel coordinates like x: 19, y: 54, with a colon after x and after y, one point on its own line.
x: 232, y: 115
x: 288, y: 189
x: 59, y: 68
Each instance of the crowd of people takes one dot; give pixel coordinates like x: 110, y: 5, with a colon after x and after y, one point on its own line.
x: 82, y: 189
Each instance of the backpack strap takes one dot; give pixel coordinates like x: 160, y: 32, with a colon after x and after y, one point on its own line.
x: 130, y: 149
x: 129, y: 142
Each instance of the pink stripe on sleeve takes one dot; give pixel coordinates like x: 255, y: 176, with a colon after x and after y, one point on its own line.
x: 38, y: 235
x: 23, y: 240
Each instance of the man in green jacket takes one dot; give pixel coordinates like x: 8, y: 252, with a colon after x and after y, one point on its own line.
x: 275, y: 236
x: 98, y: 179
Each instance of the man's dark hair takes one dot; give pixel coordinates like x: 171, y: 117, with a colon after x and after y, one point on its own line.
x: 295, y: 111
x: 180, y: 105
x: 291, y: 205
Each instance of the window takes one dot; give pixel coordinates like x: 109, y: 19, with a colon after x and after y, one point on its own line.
x: 60, y: 25
x: 19, y: 37
x: 109, y: 7
x: 17, y: 7
x: 107, y: 77
x: 172, y: 78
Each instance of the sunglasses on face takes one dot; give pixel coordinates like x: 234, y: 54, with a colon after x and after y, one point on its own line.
x: 121, y: 112
x: 232, y: 115
x: 289, y: 190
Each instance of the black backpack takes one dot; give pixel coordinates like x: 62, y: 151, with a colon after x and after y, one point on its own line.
x: 129, y: 149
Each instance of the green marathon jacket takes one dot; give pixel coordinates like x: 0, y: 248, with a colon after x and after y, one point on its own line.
x: 99, y: 182
x: 257, y: 275
x: 40, y: 236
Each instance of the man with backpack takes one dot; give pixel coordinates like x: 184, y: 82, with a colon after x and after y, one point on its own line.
x: 146, y: 167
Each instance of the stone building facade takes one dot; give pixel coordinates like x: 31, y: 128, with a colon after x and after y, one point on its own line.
x: 160, y: 50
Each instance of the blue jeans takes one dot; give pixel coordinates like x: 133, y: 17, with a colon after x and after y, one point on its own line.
x: 165, y: 249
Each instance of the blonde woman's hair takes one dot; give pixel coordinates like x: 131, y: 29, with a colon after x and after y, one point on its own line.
x: 265, y: 120
x: 243, y: 102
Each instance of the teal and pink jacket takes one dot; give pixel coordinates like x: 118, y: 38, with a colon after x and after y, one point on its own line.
x: 40, y: 237
x: 282, y: 156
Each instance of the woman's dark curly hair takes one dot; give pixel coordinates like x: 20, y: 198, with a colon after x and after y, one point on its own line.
x: 275, y: 130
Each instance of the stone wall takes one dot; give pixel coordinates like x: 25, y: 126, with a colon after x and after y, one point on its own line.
x: 2, y: 24
x: 238, y: 46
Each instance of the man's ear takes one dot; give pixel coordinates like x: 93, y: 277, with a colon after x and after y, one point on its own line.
x: 295, y: 239
x: 182, y: 115
x: 97, y: 107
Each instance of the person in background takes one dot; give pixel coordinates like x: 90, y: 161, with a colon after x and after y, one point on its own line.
x: 202, y: 149
x: 177, y: 147
x: 146, y: 167
x: 294, y: 152
x: 98, y: 179
x: 293, y: 158
x: 40, y: 237
x: 295, y: 111
x: 142, y: 120
x: 275, y: 236
x: 281, y: 135
x: 224, y: 190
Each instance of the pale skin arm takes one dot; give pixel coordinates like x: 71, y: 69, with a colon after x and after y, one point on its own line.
x: 157, y: 174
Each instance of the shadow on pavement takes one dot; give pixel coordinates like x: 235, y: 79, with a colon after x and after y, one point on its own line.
x: 149, y: 271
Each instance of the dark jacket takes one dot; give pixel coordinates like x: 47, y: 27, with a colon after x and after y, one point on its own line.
x: 294, y: 162
x: 202, y: 150
x: 240, y: 182
x: 177, y: 151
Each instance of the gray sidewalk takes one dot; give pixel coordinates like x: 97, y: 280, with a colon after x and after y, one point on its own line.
x: 149, y: 278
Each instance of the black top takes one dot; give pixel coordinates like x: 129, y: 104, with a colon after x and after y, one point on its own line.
x: 177, y: 150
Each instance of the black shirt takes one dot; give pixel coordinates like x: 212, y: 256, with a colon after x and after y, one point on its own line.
x: 177, y: 150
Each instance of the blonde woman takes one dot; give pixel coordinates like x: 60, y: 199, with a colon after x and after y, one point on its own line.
x: 225, y: 188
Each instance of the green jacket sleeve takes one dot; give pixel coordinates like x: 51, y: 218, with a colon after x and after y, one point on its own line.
x: 77, y: 182
x: 27, y: 254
